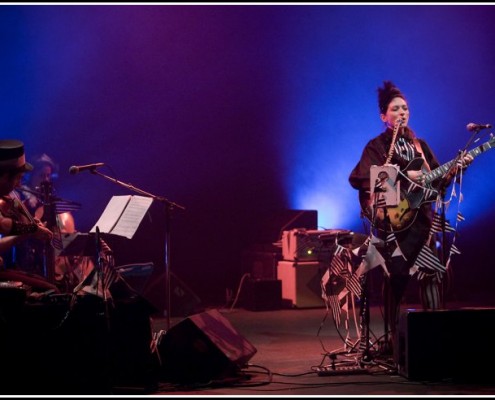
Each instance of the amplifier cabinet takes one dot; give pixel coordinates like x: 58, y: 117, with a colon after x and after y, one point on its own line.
x: 312, y: 245
x: 445, y: 344
x: 301, y: 282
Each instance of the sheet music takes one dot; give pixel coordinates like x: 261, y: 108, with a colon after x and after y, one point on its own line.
x: 123, y: 215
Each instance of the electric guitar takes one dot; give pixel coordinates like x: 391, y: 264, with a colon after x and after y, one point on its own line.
x: 412, y: 194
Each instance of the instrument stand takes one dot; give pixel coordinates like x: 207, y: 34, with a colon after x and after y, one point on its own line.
x: 169, y: 206
x: 50, y: 217
x: 386, y: 300
x: 365, y: 320
x: 106, y: 308
x: 363, y: 358
x: 101, y: 275
x: 367, y: 356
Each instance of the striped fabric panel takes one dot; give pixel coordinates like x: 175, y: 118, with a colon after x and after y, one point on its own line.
x: 437, y: 226
x: 337, y: 265
x: 353, y: 284
x: 334, y: 304
x: 454, y: 249
x: 427, y: 261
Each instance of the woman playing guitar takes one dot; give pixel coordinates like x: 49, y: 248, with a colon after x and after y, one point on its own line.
x: 399, y: 146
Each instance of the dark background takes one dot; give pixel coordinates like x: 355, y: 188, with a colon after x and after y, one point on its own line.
x: 239, y: 113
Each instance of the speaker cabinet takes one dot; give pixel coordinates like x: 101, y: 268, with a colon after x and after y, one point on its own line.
x: 301, y: 283
x: 203, y: 347
x: 444, y: 344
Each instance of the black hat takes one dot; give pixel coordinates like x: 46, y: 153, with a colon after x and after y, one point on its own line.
x: 12, y: 156
x: 386, y: 94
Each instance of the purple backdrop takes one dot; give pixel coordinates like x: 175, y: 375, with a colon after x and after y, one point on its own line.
x: 237, y: 111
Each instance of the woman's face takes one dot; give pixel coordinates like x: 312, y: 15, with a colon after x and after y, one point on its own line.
x: 396, y: 109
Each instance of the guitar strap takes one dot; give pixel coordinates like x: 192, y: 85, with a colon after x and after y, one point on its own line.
x: 417, y: 144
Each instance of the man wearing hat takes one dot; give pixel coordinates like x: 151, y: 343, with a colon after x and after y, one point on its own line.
x: 16, y: 224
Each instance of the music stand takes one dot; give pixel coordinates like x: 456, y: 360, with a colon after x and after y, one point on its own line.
x: 169, y: 206
x: 78, y: 244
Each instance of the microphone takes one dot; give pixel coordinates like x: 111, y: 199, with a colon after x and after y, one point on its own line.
x: 471, y: 127
x: 75, y: 169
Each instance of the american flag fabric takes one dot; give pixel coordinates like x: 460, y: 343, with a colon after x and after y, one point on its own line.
x: 334, y: 282
x: 100, y: 277
x: 354, y: 285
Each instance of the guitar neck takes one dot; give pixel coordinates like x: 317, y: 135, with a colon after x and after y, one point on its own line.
x: 438, y: 172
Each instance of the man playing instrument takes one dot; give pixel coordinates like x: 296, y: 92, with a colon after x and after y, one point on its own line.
x: 16, y: 224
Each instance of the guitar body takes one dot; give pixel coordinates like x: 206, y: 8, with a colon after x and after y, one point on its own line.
x: 390, y: 218
x: 401, y: 216
x: 412, y: 195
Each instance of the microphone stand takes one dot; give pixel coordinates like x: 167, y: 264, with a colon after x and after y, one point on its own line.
x: 442, y: 187
x: 169, y: 206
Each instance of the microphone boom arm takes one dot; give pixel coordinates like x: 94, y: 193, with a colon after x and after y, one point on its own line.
x: 139, y: 191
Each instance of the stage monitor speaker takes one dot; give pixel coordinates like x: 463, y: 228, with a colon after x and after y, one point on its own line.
x: 202, y: 348
x: 444, y: 344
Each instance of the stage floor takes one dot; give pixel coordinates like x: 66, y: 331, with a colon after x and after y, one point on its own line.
x: 292, y: 343
x: 240, y: 352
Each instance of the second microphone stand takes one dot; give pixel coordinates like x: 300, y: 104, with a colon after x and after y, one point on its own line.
x: 445, y: 181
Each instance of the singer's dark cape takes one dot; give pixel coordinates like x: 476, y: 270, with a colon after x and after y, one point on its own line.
x: 375, y: 153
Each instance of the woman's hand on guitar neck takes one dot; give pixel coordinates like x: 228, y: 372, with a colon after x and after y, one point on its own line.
x: 462, y: 163
x: 465, y: 160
